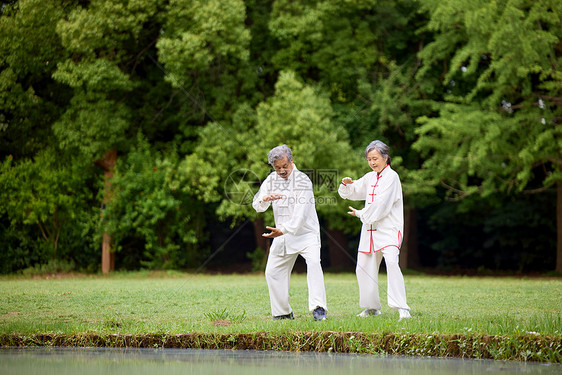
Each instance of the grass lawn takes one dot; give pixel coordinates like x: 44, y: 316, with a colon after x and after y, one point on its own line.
x: 175, y: 303
x: 182, y: 303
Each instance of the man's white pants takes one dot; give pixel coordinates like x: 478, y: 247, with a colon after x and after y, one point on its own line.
x: 278, y: 277
x: 367, y: 272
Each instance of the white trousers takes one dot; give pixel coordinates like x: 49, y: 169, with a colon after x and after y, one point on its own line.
x: 367, y: 272
x: 278, y: 277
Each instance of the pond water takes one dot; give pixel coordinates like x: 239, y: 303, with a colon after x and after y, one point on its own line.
x: 84, y: 361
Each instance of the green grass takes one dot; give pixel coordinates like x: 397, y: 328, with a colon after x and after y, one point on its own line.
x: 138, y: 303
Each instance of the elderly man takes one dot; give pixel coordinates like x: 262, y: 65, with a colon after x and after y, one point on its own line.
x: 296, y: 232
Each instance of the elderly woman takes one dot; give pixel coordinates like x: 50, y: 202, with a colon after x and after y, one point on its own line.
x: 381, y: 233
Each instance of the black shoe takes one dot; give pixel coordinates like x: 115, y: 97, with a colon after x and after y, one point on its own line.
x: 319, y: 313
x: 281, y: 317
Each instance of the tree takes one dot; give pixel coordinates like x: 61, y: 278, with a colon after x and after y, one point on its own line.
x: 204, y: 49
x: 46, y: 193
x: 363, y: 54
x: 44, y: 220
x: 151, y: 205
x: 30, y: 100
x: 97, y: 119
x: 120, y: 87
x: 235, y: 152
x: 493, y: 72
x: 300, y: 115
x: 210, y: 86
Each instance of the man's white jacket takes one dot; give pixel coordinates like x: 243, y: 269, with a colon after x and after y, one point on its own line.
x: 294, y: 214
x: 383, y: 214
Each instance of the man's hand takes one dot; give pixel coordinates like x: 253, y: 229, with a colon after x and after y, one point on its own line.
x: 274, y: 233
x: 352, y: 211
x: 272, y: 197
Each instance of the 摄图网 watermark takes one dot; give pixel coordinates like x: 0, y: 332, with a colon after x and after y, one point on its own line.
x: 242, y: 184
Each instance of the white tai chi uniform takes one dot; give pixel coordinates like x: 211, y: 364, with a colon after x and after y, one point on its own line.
x: 381, y: 236
x: 295, y: 215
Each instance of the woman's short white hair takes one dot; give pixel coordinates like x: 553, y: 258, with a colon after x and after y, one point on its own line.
x: 278, y: 153
x: 381, y: 147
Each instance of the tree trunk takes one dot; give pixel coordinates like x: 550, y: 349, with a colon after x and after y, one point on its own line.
x: 108, y: 164
x: 259, y: 229
x: 261, y: 242
x: 559, y: 227
x: 340, y: 259
x: 107, y: 256
x: 409, y: 257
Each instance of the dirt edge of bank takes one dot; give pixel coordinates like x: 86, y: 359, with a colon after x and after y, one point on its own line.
x: 498, y: 347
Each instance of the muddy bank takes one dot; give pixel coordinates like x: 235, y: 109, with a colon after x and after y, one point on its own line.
x: 521, y: 348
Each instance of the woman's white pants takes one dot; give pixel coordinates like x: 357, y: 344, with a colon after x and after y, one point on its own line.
x: 367, y: 272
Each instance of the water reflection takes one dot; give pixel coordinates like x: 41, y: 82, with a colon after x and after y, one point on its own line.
x: 84, y: 361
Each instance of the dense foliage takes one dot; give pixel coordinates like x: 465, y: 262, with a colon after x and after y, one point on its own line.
x: 191, y: 94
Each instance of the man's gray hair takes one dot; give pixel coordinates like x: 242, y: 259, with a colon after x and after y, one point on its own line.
x: 278, y: 153
x: 381, y: 147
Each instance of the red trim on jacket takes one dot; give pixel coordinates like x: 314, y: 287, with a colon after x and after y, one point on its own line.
x: 372, y: 242
x: 371, y: 230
